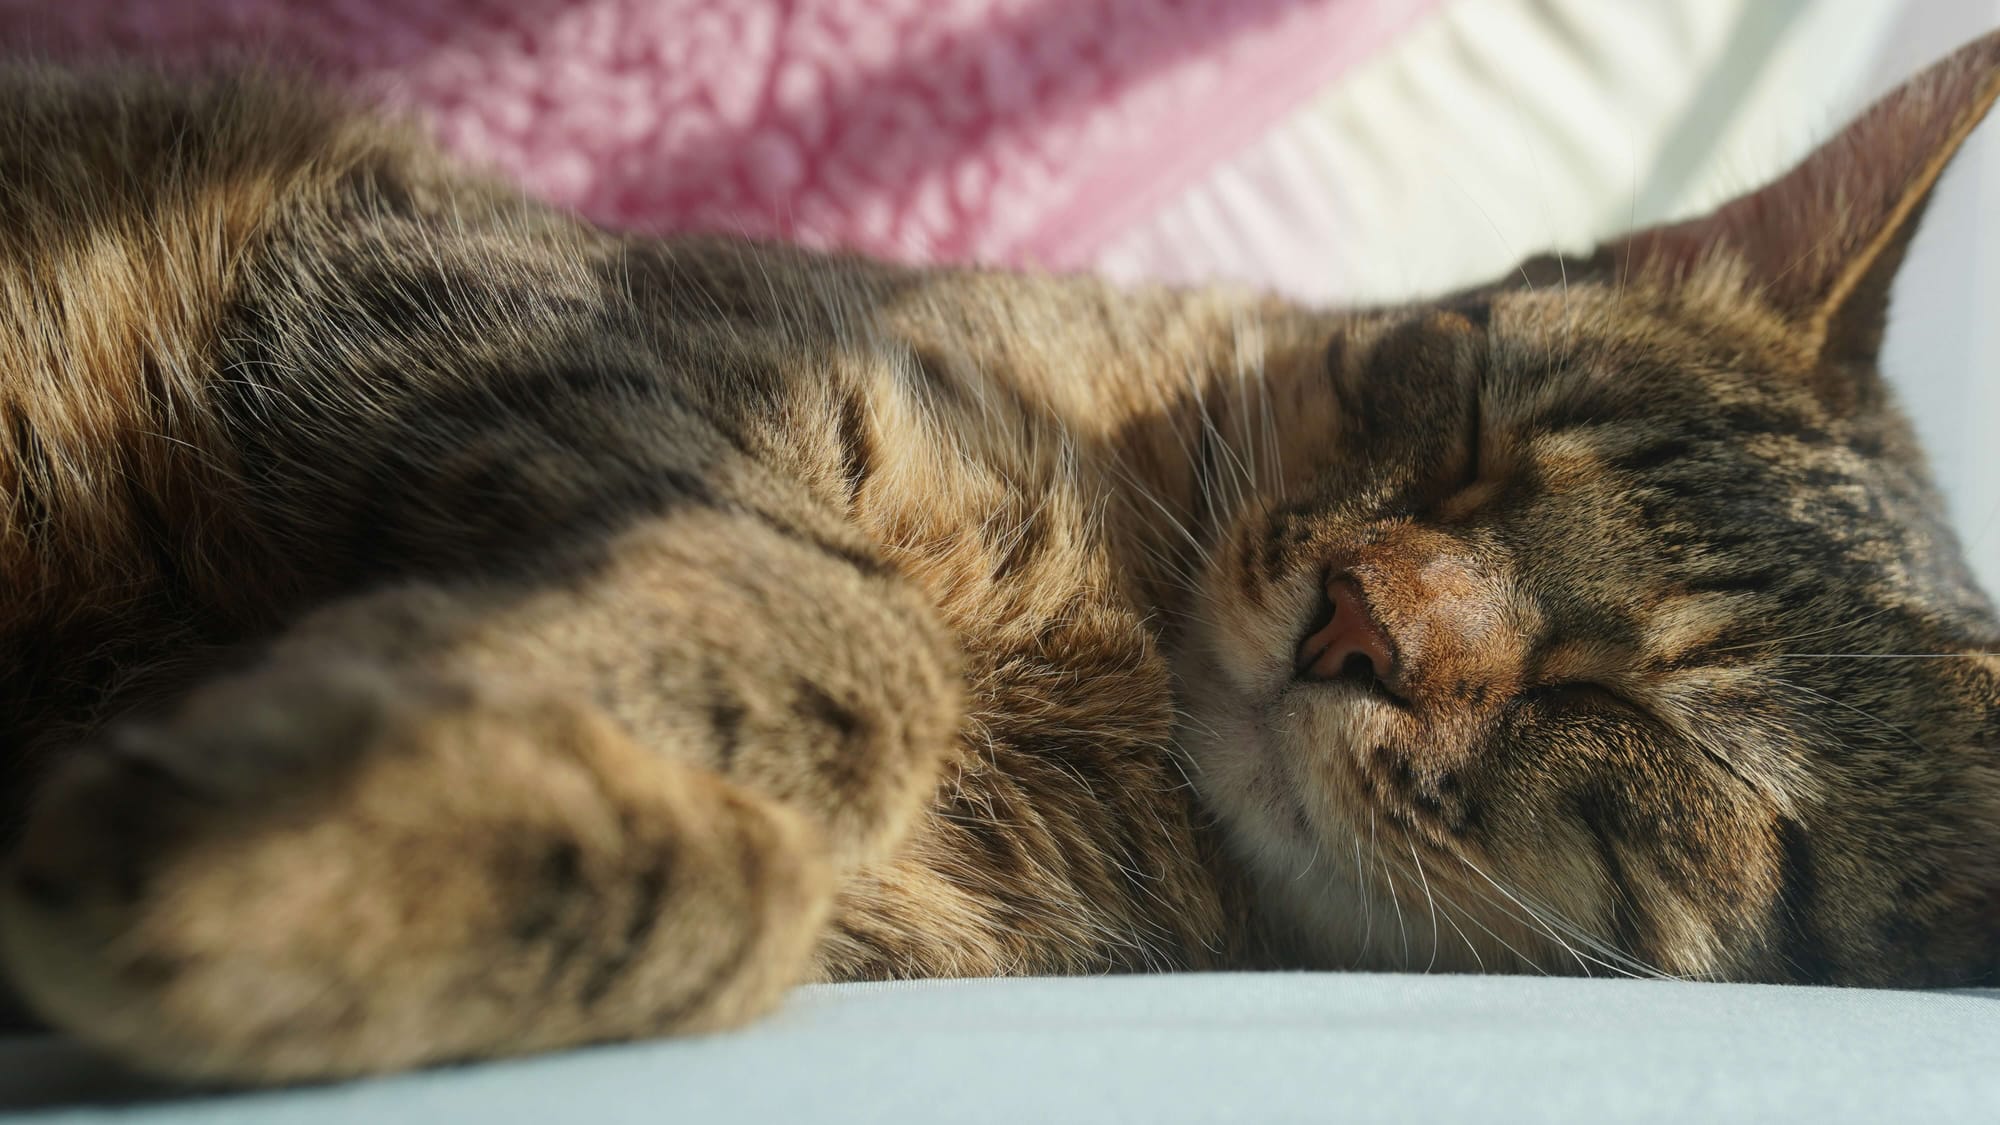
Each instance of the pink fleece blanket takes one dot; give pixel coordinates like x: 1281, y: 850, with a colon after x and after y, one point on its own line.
x: 1023, y: 131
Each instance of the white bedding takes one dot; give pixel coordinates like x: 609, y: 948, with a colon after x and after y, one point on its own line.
x: 1349, y: 1048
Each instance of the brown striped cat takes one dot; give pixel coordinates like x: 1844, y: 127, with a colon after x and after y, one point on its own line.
x: 433, y: 628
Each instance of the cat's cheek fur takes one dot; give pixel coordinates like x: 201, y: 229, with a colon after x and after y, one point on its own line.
x: 1312, y: 912
x: 1276, y: 760
x: 1341, y: 883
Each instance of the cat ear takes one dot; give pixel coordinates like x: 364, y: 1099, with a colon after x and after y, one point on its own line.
x: 1823, y: 242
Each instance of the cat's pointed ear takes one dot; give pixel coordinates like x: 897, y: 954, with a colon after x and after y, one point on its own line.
x: 1822, y: 242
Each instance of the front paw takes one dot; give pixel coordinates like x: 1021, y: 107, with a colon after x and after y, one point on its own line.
x: 321, y: 870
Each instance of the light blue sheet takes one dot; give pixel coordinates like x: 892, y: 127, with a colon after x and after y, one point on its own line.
x: 1214, y: 1048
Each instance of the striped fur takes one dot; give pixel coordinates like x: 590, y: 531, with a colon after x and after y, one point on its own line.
x: 433, y: 628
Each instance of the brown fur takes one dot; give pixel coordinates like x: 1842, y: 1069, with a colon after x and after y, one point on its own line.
x: 432, y: 628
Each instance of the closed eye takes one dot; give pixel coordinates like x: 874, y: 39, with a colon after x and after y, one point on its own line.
x: 1578, y: 695
x: 1475, y: 446
x: 1472, y: 486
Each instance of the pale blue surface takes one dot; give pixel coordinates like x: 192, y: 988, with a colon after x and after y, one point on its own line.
x: 1269, y: 1048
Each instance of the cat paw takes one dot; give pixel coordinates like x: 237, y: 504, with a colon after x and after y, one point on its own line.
x: 320, y: 871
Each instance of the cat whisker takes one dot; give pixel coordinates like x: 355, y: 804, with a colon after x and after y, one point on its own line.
x: 1430, y: 900
x: 1395, y: 900
x: 1555, y: 926
x: 1884, y: 655
x: 1878, y: 720
x: 1362, y: 877
x: 1776, y: 642
x: 1472, y: 947
x: 1318, y: 843
x: 1173, y: 521
x: 1251, y: 348
x: 1507, y: 244
x: 1273, y: 448
x: 1437, y: 896
x: 1212, y: 439
x: 1439, y: 904
x: 1985, y: 528
x: 1473, y: 917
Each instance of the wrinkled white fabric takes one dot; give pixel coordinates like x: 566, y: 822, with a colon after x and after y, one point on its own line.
x: 1350, y: 1048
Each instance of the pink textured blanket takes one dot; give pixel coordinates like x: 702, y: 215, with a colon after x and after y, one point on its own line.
x: 1023, y: 131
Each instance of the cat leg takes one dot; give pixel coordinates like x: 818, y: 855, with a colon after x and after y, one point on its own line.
x: 447, y: 822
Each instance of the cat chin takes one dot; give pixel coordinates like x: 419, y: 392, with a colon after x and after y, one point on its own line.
x: 1326, y: 912
x: 1334, y: 895
x: 1320, y: 887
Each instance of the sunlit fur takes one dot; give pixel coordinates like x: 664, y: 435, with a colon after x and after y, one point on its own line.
x: 1640, y: 711
x: 433, y: 628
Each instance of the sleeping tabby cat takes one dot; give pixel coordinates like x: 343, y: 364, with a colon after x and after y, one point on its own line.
x: 433, y: 628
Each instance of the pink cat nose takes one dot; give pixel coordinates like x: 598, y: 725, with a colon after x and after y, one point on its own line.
x: 1351, y: 634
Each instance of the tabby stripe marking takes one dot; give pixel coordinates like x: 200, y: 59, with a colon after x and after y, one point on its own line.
x: 1800, y: 944
x: 1627, y: 929
x: 648, y: 898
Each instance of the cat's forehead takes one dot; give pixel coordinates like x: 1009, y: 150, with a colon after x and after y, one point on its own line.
x: 1650, y: 382
x: 1663, y: 458
x: 1633, y: 348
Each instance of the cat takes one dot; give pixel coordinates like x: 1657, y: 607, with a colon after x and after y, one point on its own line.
x: 433, y: 628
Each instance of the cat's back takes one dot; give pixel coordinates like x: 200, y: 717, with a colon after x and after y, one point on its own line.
x: 128, y: 202
x: 248, y: 336
x: 129, y: 205
x: 132, y: 207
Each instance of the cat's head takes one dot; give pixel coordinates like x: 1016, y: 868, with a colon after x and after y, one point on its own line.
x: 1627, y: 633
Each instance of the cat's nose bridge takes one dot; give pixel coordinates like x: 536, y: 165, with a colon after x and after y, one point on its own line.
x: 1445, y: 616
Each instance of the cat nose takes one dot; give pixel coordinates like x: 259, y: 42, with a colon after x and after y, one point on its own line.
x: 1349, y: 639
